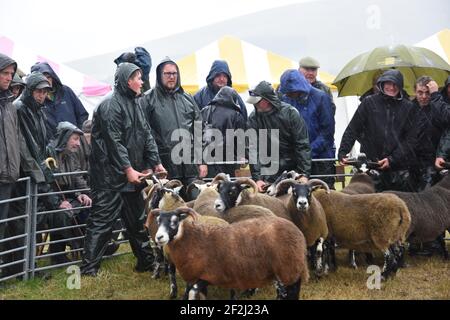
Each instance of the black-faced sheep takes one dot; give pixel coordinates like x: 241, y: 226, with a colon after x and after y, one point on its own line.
x: 367, y: 223
x: 232, y: 194
x: 361, y: 183
x: 430, y: 212
x: 308, y: 215
x: 243, y: 255
x: 204, y: 204
x: 272, y: 189
x: 170, y: 200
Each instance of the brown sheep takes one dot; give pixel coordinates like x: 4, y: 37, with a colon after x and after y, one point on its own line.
x: 367, y: 223
x: 247, y: 254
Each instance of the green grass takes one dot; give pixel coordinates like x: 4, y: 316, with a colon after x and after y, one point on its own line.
x: 425, y: 278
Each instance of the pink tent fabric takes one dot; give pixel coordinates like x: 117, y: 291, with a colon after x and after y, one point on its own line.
x: 80, y: 83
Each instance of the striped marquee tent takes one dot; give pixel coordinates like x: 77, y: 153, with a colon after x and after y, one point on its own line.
x: 85, y: 87
x: 439, y: 43
x: 248, y: 64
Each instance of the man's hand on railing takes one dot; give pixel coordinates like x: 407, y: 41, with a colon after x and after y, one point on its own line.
x: 84, y: 200
x: 65, y: 205
x: 134, y: 176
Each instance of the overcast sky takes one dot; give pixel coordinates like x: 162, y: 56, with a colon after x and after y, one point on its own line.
x: 70, y: 30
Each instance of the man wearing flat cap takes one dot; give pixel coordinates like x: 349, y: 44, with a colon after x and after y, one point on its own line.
x: 309, y: 67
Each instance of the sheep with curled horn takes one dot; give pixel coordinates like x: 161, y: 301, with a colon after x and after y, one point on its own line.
x: 270, y: 249
x: 307, y: 214
x: 430, y: 213
x: 361, y: 183
x: 368, y: 223
x: 363, y: 170
x: 168, y: 199
x: 204, y: 204
x: 272, y: 189
x: 236, y: 193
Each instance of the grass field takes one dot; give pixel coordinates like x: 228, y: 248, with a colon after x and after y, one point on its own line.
x: 425, y: 278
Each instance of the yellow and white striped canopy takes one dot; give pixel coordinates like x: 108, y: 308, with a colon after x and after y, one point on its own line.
x: 439, y: 43
x: 248, y: 64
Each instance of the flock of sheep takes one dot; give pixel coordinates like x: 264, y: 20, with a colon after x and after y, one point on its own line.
x: 231, y: 236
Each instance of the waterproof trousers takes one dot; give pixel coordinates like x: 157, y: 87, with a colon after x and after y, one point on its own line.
x: 323, y: 168
x: 5, y: 193
x: 107, y: 207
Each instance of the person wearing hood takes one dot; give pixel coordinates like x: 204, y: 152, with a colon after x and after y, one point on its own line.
x: 223, y: 113
x: 218, y: 77
x: 123, y: 154
x: 61, y: 103
x: 385, y: 124
x: 140, y: 57
x: 32, y: 120
x: 315, y: 108
x: 169, y: 108
x: 63, y: 149
x: 32, y: 145
x: 17, y: 85
x: 294, y: 149
x: 9, y: 140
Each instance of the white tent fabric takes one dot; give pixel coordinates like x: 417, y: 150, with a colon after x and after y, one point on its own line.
x: 89, y: 90
x: 439, y: 43
x: 248, y: 64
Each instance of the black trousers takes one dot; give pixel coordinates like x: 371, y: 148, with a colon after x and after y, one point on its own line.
x: 5, y: 193
x: 107, y: 207
x: 400, y: 180
x: 322, y: 168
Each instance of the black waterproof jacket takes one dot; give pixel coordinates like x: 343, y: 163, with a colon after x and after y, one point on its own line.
x: 294, y: 148
x: 444, y: 146
x: 430, y: 130
x: 9, y: 131
x: 166, y: 112
x: 385, y: 126
x: 66, y: 161
x: 204, y: 96
x: 120, y: 137
x: 223, y: 113
x: 440, y: 103
x: 65, y: 106
x: 34, y: 131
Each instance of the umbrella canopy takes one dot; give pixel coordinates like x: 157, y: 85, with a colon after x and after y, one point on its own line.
x: 413, y: 62
x: 248, y: 64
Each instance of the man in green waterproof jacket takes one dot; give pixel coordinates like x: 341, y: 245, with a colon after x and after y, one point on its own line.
x: 123, y: 152
x: 168, y: 108
x: 275, y: 116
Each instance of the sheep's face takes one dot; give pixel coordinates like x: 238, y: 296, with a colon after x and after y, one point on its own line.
x: 229, y: 195
x: 272, y: 189
x: 301, y: 195
x: 194, y: 190
x: 168, y: 227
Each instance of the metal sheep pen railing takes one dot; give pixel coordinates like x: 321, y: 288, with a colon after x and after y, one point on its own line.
x: 32, y: 248
x: 31, y: 252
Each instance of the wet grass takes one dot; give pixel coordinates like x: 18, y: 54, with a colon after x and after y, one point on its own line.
x: 425, y: 278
